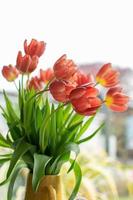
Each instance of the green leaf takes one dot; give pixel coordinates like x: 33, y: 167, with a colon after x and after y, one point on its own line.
x: 40, y: 163
x: 20, y: 101
x: 9, y: 137
x: 59, y: 116
x: 39, y: 118
x: 4, y: 142
x: 13, y: 179
x: 92, y: 135
x: 85, y: 127
x: 54, y: 166
x: 8, y: 155
x: 3, y: 160
x: 28, y: 159
x: 69, y: 133
x: 67, y: 112
x: 45, y: 128
x: 70, y: 147
x: 76, y: 118
x: 63, y: 159
x: 62, y: 156
x: 65, y: 118
x: 78, y: 178
x: 21, y: 148
x: 15, y: 131
x: 29, y: 110
x: 53, y: 136
x: 10, y: 109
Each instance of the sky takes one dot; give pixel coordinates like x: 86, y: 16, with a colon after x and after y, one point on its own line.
x: 86, y: 30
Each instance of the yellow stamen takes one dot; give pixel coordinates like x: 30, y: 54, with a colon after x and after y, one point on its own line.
x: 101, y: 81
x: 109, y: 101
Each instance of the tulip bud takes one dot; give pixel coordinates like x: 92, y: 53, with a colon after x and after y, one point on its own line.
x: 64, y: 68
x: 85, y: 100
x: 116, y: 100
x: 35, y: 83
x: 10, y: 73
x: 83, y: 78
x: 107, y: 76
x: 60, y: 90
x: 46, y: 75
x: 26, y: 64
x: 35, y: 48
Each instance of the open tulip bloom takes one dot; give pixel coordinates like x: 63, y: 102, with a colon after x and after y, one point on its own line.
x: 42, y: 133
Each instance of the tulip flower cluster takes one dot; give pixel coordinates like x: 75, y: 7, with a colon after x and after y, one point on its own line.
x: 67, y: 83
x: 42, y: 135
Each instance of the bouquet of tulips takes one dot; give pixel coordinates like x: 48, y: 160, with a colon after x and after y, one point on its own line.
x: 42, y: 133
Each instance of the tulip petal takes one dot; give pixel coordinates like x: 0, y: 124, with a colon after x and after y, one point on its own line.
x: 118, y: 108
x: 104, y: 69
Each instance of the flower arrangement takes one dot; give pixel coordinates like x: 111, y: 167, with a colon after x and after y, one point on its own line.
x: 42, y: 132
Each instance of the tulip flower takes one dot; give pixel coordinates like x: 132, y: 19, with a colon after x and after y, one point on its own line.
x: 46, y: 75
x: 116, y: 100
x: 35, y: 48
x: 60, y: 90
x: 35, y: 83
x: 84, y: 100
x: 107, y: 76
x: 10, y: 73
x: 64, y: 68
x: 83, y: 78
x: 26, y: 64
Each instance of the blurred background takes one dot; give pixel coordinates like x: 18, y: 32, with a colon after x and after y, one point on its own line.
x: 91, y: 33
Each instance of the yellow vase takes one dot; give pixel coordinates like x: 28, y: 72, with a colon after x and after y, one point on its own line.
x: 50, y: 188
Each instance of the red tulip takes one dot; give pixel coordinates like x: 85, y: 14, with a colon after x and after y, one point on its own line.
x: 26, y: 64
x: 83, y: 78
x: 116, y: 100
x: 85, y: 100
x: 64, y: 68
x: 46, y: 75
x: 10, y: 73
x: 35, y: 48
x: 60, y: 90
x: 107, y: 76
x: 35, y: 83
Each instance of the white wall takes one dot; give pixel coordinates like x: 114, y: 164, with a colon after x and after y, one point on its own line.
x: 87, y: 30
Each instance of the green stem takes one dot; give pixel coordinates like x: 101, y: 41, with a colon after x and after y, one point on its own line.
x: 96, y: 84
x: 15, y: 85
x: 38, y: 93
x: 47, y: 119
x: 3, y: 110
x: 55, y: 112
x: 22, y: 81
x: 28, y: 78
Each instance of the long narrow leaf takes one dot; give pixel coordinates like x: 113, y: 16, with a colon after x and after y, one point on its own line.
x: 45, y: 128
x: 76, y: 118
x: 40, y: 163
x: 92, y: 135
x: 13, y: 179
x: 67, y: 112
x: 69, y: 134
x: 4, y: 142
x: 63, y: 156
x: 3, y: 160
x: 59, y: 117
x: 53, y: 136
x: 10, y: 109
x: 20, y: 150
x: 85, y: 127
x: 78, y: 178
